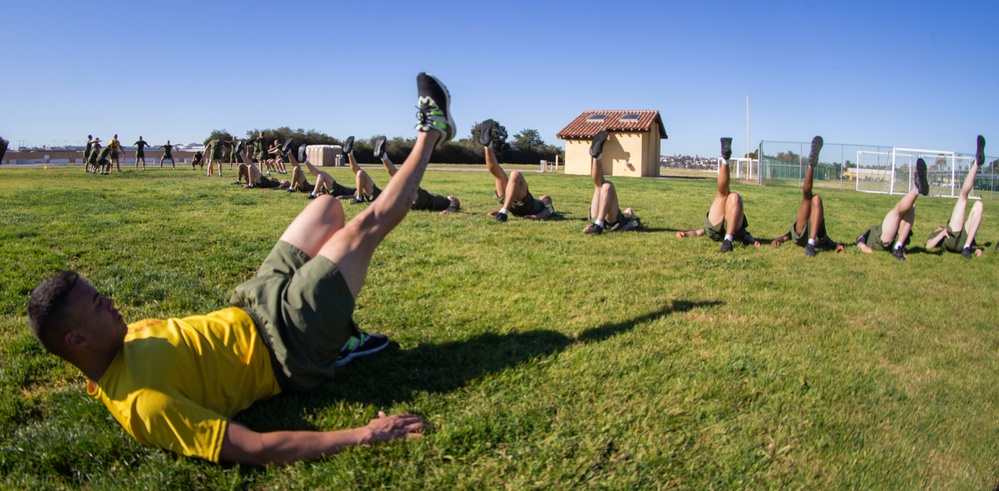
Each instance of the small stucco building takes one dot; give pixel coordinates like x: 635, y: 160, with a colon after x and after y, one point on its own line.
x: 633, y: 147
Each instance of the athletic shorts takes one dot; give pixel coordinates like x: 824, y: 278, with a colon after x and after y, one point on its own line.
x: 802, y: 239
x: 956, y: 241
x: 113, y: 155
x: 527, y: 206
x: 139, y: 154
x: 717, y: 232
x: 302, y: 309
x: 430, y: 202
x: 341, y: 190
x: 374, y: 194
x: 268, y: 183
x: 874, y: 239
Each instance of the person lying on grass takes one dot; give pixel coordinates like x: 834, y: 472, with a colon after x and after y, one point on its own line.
x: 604, y: 209
x: 809, y: 227
x: 177, y: 383
x: 895, y: 230
x: 959, y: 234
x: 725, y: 220
x: 512, y: 192
x: 424, y: 200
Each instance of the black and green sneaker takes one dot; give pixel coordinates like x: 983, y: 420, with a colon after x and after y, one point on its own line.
x: 348, y: 146
x: 434, y: 105
x: 366, y: 344
x: 380, y: 148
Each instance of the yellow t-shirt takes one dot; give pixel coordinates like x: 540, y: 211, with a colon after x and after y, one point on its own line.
x: 175, y: 382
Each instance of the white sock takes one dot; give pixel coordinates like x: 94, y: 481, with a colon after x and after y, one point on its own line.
x: 898, y: 245
x: 503, y: 211
x: 811, y: 241
x: 599, y: 223
x: 728, y: 237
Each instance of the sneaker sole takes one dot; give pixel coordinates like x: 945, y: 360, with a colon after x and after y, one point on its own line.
x: 813, y: 157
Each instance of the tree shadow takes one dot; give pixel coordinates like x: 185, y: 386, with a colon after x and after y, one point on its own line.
x: 398, y: 376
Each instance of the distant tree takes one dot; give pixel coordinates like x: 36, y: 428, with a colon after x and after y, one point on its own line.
x: 3, y: 148
x: 528, y: 139
x: 500, y: 146
x: 940, y: 164
x: 752, y: 155
x: 222, y: 135
x: 789, y: 156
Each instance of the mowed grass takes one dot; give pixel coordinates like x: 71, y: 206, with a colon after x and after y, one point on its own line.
x: 546, y: 359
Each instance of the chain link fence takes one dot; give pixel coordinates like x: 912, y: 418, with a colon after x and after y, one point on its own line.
x: 872, y: 168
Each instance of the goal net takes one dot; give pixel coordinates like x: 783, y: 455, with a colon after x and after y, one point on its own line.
x: 892, y: 172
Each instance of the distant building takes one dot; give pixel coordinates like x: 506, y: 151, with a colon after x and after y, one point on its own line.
x: 632, y: 150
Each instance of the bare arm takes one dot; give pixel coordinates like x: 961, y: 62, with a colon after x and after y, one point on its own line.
x: 539, y: 216
x: 941, y: 234
x: 780, y: 240
x: 245, y: 446
x: 832, y: 244
x: 682, y: 234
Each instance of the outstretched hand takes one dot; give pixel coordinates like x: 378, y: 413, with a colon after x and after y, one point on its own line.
x: 385, y: 428
x: 840, y: 248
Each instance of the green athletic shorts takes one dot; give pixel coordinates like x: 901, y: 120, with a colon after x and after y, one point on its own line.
x: 956, y: 241
x: 717, y: 232
x: 374, y: 194
x: 268, y: 183
x: 341, y: 190
x: 302, y: 309
x: 802, y: 239
x: 527, y: 206
x: 874, y: 240
x: 430, y: 202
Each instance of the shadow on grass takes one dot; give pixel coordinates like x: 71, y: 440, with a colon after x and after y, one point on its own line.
x: 397, y: 376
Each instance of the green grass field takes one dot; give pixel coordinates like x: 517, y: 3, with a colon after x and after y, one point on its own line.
x: 547, y: 359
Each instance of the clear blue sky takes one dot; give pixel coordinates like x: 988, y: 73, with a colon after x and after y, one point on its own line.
x: 915, y: 74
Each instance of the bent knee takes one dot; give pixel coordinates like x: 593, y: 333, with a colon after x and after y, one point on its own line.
x: 733, y: 199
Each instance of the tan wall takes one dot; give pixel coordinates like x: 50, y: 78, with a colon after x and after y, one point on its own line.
x: 625, y: 154
x: 577, y: 157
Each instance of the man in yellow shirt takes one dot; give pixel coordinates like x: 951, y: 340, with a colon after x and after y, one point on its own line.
x: 176, y: 383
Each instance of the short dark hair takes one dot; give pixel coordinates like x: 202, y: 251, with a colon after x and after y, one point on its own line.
x: 45, y: 310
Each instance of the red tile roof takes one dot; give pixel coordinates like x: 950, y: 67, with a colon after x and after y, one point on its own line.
x: 580, y: 128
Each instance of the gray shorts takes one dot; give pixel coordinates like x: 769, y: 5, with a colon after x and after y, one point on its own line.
x: 303, y: 310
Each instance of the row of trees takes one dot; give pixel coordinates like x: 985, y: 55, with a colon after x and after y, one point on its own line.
x: 527, y: 146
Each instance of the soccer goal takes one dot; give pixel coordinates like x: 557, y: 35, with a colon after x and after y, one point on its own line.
x: 892, y: 172
x: 744, y: 167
